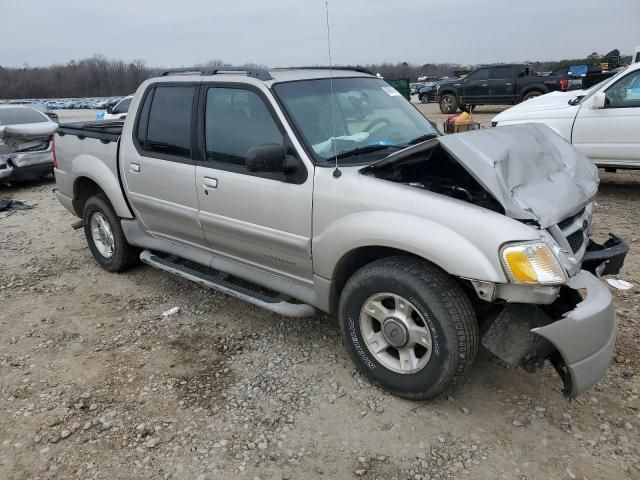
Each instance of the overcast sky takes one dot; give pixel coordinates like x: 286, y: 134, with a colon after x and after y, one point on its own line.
x: 293, y: 32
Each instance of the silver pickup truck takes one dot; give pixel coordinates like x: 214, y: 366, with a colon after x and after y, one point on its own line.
x: 328, y: 190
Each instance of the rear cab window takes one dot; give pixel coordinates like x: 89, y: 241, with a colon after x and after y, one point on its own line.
x: 165, y: 123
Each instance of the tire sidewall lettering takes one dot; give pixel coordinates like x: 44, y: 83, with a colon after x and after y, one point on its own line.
x: 432, y: 328
x: 355, y: 340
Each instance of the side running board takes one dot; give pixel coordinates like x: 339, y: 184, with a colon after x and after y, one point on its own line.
x: 216, y: 282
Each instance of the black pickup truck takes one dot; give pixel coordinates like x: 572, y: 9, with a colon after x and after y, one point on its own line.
x: 504, y: 84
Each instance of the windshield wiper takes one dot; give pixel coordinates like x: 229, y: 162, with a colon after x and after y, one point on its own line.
x: 367, y: 149
x: 423, y: 138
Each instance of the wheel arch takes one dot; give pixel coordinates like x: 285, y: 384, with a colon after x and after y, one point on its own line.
x: 99, y: 179
x: 337, y: 257
x: 536, y: 87
x: 448, y: 91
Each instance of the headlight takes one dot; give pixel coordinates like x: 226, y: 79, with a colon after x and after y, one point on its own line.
x: 532, y: 263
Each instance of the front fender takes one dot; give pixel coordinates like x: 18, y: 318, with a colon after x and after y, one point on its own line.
x: 91, y: 167
x: 427, y: 239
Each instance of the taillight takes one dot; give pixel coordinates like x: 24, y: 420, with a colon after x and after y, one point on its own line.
x: 564, y: 84
x: 53, y: 150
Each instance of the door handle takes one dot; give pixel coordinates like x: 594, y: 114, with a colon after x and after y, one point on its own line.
x: 485, y: 84
x: 210, y: 182
x: 134, y: 167
x: 508, y: 84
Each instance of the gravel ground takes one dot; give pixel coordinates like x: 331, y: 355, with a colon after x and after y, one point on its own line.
x: 96, y: 383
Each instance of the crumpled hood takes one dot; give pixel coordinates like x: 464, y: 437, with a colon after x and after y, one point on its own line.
x: 533, y: 172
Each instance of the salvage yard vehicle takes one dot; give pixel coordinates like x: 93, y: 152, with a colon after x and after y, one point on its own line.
x: 502, y: 84
x: 26, y: 136
x: 602, y: 122
x: 419, y: 242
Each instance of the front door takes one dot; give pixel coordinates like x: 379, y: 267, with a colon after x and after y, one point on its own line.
x: 259, y: 219
x: 160, y: 171
x: 611, y: 135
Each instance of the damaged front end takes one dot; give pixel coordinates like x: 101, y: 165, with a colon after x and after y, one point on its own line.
x: 26, y: 151
x: 532, y: 175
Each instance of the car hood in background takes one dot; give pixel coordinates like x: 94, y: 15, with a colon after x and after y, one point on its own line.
x: 28, y: 129
x: 543, y: 103
x: 533, y: 172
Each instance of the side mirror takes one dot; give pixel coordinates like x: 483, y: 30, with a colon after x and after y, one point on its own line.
x: 598, y: 100
x: 110, y: 108
x: 266, y: 158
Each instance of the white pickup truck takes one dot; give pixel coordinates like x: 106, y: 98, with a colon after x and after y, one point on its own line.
x: 602, y: 122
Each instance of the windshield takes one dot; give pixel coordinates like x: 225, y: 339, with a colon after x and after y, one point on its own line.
x: 371, y: 118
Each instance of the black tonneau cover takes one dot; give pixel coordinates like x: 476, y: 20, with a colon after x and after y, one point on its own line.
x: 106, y: 131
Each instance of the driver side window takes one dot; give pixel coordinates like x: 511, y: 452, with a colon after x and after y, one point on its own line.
x: 625, y: 93
x: 235, y: 121
x: 482, y: 74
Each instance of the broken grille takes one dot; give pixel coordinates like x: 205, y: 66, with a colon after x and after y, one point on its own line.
x: 576, y: 239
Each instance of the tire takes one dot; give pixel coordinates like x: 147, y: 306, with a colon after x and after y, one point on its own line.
x: 123, y: 256
x: 448, y: 103
x: 424, y: 98
x: 436, y: 300
x: 531, y: 94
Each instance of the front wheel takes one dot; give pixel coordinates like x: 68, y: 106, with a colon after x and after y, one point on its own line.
x: 408, y: 326
x: 424, y: 98
x: 448, y: 103
x: 105, y: 237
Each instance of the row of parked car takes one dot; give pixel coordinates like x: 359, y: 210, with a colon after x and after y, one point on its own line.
x: 97, y: 103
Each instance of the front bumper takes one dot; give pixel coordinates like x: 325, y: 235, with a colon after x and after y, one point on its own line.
x: 585, y: 336
x: 576, y: 333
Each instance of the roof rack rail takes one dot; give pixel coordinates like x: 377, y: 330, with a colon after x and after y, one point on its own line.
x: 326, y: 67
x: 259, y: 73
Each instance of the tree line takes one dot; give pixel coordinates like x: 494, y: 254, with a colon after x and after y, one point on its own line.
x: 101, y: 77
x: 90, y: 77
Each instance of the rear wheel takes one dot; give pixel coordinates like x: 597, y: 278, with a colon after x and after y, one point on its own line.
x: 448, y: 103
x: 408, y: 326
x: 531, y: 94
x: 467, y: 108
x: 105, y: 237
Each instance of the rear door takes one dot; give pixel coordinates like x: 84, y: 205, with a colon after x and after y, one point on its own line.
x: 501, y: 84
x: 262, y: 220
x: 476, y: 86
x: 611, y: 135
x: 160, y: 171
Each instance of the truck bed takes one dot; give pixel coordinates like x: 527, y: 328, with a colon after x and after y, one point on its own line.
x: 106, y: 131
x: 89, y: 150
